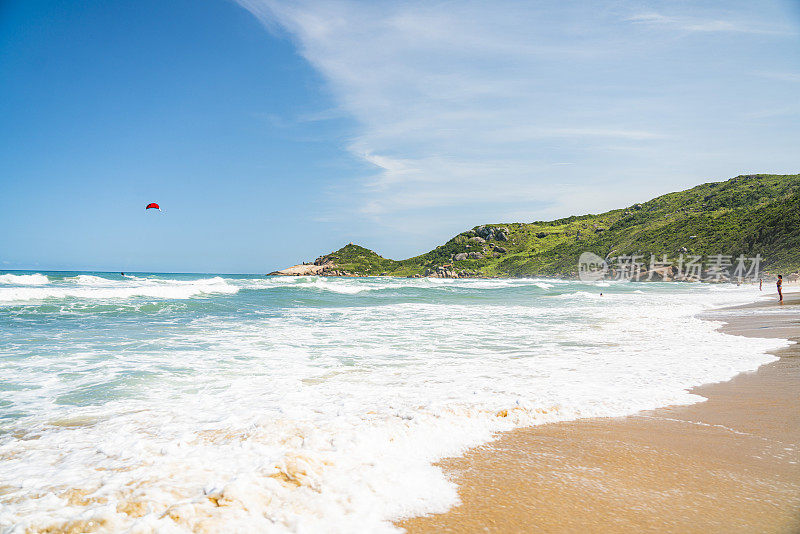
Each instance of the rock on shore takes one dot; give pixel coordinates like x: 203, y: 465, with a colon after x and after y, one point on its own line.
x: 300, y: 270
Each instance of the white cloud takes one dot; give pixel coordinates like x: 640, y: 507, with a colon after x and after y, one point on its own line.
x: 779, y: 76
x: 465, y: 104
x: 694, y: 24
x: 450, y: 96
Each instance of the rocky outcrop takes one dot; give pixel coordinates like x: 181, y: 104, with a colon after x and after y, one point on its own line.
x: 300, y: 270
x: 488, y: 233
x: 447, y: 271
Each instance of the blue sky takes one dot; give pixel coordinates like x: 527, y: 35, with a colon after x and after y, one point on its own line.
x: 271, y: 132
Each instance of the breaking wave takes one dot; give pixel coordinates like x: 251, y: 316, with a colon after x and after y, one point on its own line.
x: 95, y: 287
x: 24, y: 279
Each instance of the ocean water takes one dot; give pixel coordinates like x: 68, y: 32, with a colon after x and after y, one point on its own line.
x: 211, y: 403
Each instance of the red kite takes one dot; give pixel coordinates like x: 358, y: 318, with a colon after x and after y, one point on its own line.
x: 153, y: 206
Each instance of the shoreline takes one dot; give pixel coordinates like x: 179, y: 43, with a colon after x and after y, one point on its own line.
x: 728, y: 464
x: 333, y: 271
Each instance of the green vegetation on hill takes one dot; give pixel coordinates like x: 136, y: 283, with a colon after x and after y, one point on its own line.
x: 753, y: 214
x: 356, y: 259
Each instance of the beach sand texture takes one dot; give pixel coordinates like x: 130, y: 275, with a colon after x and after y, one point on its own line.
x: 730, y: 464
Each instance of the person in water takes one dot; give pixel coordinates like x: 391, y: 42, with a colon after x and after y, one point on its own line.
x: 123, y: 274
x: 780, y: 288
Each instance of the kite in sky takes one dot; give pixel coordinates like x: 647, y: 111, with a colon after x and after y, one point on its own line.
x: 153, y: 206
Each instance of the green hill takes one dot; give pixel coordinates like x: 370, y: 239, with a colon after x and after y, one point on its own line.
x: 753, y: 214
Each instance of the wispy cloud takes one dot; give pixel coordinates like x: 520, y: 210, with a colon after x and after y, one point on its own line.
x: 451, y: 98
x: 779, y: 76
x: 468, y: 103
x: 693, y: 24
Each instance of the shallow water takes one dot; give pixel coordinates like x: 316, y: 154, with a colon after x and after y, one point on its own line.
x: 204, y: 402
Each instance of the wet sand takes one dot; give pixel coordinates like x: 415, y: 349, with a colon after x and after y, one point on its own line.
x: 727, y: 465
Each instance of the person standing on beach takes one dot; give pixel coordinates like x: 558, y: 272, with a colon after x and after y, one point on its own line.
x: 760, y: 283
x: 780, y: 287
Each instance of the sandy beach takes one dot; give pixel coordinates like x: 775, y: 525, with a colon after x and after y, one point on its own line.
x: 729, y: 464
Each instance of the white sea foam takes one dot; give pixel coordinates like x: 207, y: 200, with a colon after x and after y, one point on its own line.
x: 90, y: 280
x: 35, y: 279
x: 95, y: 287
x: 329, y: 418
x: 356, y: 285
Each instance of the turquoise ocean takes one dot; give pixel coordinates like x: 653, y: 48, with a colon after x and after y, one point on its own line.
x: 239, y: 403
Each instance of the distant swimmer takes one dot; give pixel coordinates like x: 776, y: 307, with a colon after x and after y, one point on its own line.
x: 122, y: 274
x: 780, y: 288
